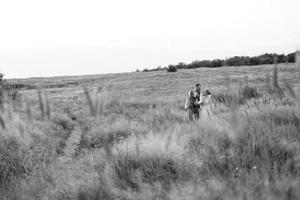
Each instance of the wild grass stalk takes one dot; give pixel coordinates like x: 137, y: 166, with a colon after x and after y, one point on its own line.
x: 44, y: 104
x: 96, y: 100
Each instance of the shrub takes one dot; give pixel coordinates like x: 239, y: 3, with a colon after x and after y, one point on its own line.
x: 268, y: 138
x: 245, y: 93
x: 171, y: 68
x: 62, y: 128
x: 11, y: 161
x: 98, y: 136
x: 18, y: 161
x: 250, y: 92
x: 7, y: 90
x: 151, y: 169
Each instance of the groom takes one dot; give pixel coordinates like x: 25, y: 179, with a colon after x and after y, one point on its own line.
x: 193, y: 102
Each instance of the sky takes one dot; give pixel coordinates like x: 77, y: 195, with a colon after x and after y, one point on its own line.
x: 41, y: 38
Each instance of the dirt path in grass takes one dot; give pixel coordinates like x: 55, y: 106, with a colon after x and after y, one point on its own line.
x: 71, y: 145
x: 70, y: 172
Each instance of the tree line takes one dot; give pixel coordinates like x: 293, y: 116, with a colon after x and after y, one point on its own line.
x: 267, y: 58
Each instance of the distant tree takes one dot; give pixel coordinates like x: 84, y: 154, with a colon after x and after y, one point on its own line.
x: 282, y: 58
x: 254, y: 61
x: 216, y: 63
x: 291, y: 58
x: 267, y: 58
x: 172, y: 68
x: 1, y: 77
x: 158, y: 68
x: 137, y: 70
x: 181, y: 65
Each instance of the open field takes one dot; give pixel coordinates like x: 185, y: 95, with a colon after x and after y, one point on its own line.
x: 127, y: 136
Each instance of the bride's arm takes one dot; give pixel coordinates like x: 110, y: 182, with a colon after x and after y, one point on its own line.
x: 201, y: 100
x: 187, y: 101
x: 210, y: 107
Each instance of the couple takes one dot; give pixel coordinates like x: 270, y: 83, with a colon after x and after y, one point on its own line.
x: 198, y: 103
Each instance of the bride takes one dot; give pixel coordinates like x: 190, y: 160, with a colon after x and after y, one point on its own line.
x: 205, y: 105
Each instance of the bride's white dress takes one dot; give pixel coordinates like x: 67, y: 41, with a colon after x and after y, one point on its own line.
x: 205, y: 111
x: 207, y: 115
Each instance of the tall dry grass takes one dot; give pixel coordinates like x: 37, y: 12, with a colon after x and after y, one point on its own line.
x: 136, y: 149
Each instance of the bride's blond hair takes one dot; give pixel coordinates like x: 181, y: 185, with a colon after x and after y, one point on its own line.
x: 206, y: 92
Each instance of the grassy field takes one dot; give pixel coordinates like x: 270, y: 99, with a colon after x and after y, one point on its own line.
x: 127, y: 136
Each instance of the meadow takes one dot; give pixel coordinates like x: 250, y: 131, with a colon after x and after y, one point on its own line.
x: 127, y: 136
